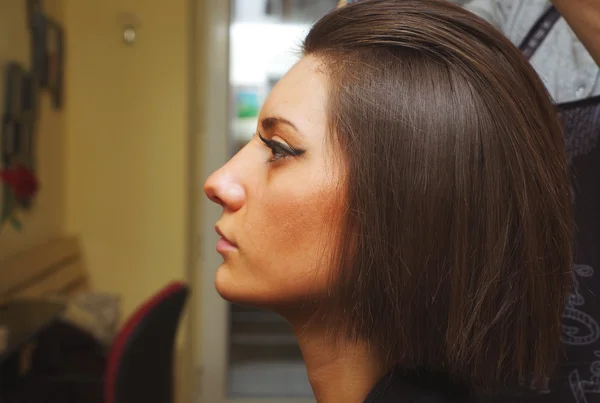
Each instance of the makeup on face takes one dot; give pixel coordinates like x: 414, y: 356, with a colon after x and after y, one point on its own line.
x: 278, y: 194
x: 279, y: 149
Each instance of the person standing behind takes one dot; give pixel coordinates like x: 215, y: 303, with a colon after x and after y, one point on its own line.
x: 565, y: 65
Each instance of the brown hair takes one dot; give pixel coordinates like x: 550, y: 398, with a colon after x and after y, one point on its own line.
x: 458, y: 199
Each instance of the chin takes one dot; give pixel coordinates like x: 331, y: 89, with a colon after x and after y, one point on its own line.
x: 224, y: 284
x: 235, y: 290
x: 249, y: 291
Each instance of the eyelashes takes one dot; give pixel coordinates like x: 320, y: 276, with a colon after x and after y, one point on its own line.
x: 280, y: 150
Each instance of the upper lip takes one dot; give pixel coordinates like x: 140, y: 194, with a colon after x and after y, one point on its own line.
x: 223, y: 235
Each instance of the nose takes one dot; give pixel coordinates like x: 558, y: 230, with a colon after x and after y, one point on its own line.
x: 224, y: 189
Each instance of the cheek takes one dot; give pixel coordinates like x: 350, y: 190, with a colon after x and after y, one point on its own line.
x: 300, y: 228
x: 292, y: 219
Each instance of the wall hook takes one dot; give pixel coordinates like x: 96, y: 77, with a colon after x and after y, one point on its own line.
x: 130, y: 24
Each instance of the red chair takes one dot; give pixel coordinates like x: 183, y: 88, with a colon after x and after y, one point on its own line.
x: 139, y: 366
x: 140, y: 363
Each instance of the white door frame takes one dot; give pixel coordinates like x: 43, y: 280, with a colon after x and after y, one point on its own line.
x: 210, y: 142
x: 210, y: 59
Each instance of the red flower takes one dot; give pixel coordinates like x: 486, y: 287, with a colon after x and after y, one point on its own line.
x: 21, y: 180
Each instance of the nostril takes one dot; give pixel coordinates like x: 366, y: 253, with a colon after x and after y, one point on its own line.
x: 210, y: 192
x: 212, y: 195
x: 217, y: 200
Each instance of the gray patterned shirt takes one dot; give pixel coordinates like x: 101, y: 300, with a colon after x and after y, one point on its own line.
x: 566, y: 68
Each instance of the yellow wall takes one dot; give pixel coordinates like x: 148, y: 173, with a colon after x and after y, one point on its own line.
x: 114, y: 162
x: 46, y: 219
x: 127, y: 135
x: 127, y: 148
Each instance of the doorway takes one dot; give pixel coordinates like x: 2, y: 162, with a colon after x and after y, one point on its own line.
x: 246, y: 354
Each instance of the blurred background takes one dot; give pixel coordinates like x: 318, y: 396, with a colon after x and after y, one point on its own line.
x: 132, y: 104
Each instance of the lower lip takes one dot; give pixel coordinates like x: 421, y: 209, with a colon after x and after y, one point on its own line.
x: 223, y: 245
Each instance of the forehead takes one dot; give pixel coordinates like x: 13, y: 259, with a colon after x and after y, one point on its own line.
x: 300, y: 96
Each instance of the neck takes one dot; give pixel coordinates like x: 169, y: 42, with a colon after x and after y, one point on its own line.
x: 338, y: 371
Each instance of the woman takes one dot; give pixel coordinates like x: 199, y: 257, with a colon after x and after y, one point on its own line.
x: 405, y: 205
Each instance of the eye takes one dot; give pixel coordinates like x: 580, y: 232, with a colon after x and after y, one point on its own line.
x: 279, y: 150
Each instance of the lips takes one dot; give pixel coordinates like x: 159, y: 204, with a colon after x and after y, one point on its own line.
x: 218, y: 230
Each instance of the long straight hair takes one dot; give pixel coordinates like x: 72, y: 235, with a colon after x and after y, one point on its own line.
x: 456, y: 247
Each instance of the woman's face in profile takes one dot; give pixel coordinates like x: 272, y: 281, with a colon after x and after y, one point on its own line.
x: 281, y: 198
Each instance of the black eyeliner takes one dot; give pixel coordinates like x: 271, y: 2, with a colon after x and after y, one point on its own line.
x: 276, y: 146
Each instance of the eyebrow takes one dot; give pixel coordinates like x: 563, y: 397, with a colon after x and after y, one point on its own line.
x: 270, y: 122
